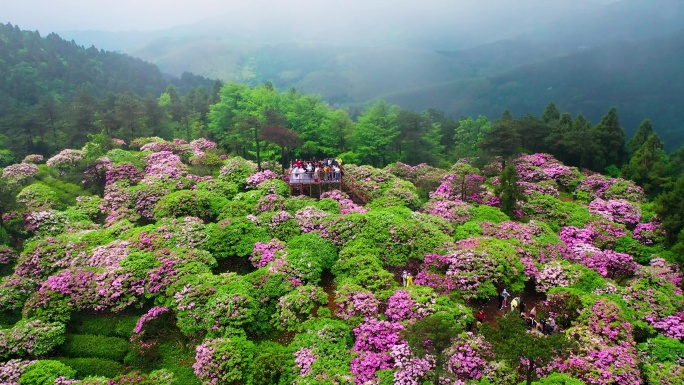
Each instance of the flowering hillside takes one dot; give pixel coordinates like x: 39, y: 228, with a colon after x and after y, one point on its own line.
x: 160, y: 262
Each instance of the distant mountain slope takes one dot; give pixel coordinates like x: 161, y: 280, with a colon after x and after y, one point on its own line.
x: 32, y: 66
x: 642, y: 79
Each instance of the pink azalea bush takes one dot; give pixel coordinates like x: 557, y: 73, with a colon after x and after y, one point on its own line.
x: 256, y: 179
x: 66, y: 158
x: 264, y: 253
x: 346, y: 205
x: 619, y: 211
x: 18, y: 173
x: 542, y: 167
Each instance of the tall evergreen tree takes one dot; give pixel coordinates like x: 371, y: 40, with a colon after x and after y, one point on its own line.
x: 508, y: 191
x: 610, y: 138
x: 647, y: 167
x: 640, y: 137
x: 375, y: 132
x: 551, y: 113
x: 503, y: 139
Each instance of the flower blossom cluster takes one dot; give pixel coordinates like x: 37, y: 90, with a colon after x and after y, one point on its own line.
x: 619, y: 211
x: 264, y: 253
x: 66, y: 158
x: 260, y: 177
x: 554, y: 275
x: 647, y: 233
x: 304, y: 358
x: 671, y: 326
x: 164, y: 164
x: 541, y: 167
x: 151, y: 314
x: 346, y: 205
x: 20, y: 172
x: 33, y: 158
x: 11, y: 370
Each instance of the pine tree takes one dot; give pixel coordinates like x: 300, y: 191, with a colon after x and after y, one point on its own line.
x: 640, y: 137
x: 509, y: 191
x: 610, y: 138
x: 551, y: 113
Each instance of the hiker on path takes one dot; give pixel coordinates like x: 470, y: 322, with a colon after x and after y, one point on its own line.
x: 521, y: 305
x: 503, y: 298
x: 550, y: 326
x: 409, y: 280
x: 480, y: 316
x: 514, y: 303
x: 404, y: 274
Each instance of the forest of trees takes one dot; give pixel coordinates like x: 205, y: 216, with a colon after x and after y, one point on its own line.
x: 55, y: 94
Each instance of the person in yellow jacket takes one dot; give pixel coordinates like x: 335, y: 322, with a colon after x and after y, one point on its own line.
x: 515, y: 303
x: 409, y: 280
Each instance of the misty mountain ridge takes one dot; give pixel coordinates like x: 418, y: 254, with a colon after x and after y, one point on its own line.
x: 463, y: 63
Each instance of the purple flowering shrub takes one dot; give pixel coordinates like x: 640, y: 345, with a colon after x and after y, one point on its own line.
x: 469, y: 357
x: 259, y: 177
x: 608, y: 263
x: 599, y: 186
x: 353, y: 301
x: 619, y: 211
x: 473, y: 268
x: 465, y: 185
x: 457, y: 212
x: 32, y: 158
x: 420, y: 175
x: 542, y: 167
x: 346, y: 205
x: 604, y: 351
x: 671, y: 326
x: 648, y: 233
x: 296, y: 306
x: 376, y: 183
x: 264, y: 253
x: 11, y: 370
x: 66, y: 158
x: 556, y: 274
x: 374, y: 340
x: 31, y: 337
x: 237, y: 170
x: 125, y: 172
x: 223, y: 361
x: 19, y: 173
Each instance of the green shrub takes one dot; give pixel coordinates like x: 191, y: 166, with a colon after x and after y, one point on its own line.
x: 329, y: 205
x: 222, y: 188
x: 66, y: 192
x: 86, y: 345
x: 194, y: 203
x: 45, y: 372
x: 324, y: 250
x: 86, y: 367
x: 275, y: 186
x: 37, y: 196
x: 236, y: 239
x: 467, y: 230
x: 272, y: 364
x: 484, y: 213
x: 110, y: 325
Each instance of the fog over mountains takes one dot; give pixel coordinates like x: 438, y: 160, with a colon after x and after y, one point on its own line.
x: 431, y: 53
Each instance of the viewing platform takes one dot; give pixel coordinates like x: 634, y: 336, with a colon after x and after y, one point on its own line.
x: 313, y: 184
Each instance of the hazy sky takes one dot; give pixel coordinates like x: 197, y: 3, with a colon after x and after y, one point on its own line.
x: 122, y: 15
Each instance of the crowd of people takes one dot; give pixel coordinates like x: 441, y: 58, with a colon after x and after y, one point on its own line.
x: 326, y: 170
x: 546, y: 326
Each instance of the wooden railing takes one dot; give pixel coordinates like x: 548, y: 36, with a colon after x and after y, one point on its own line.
x: 350, y: 183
